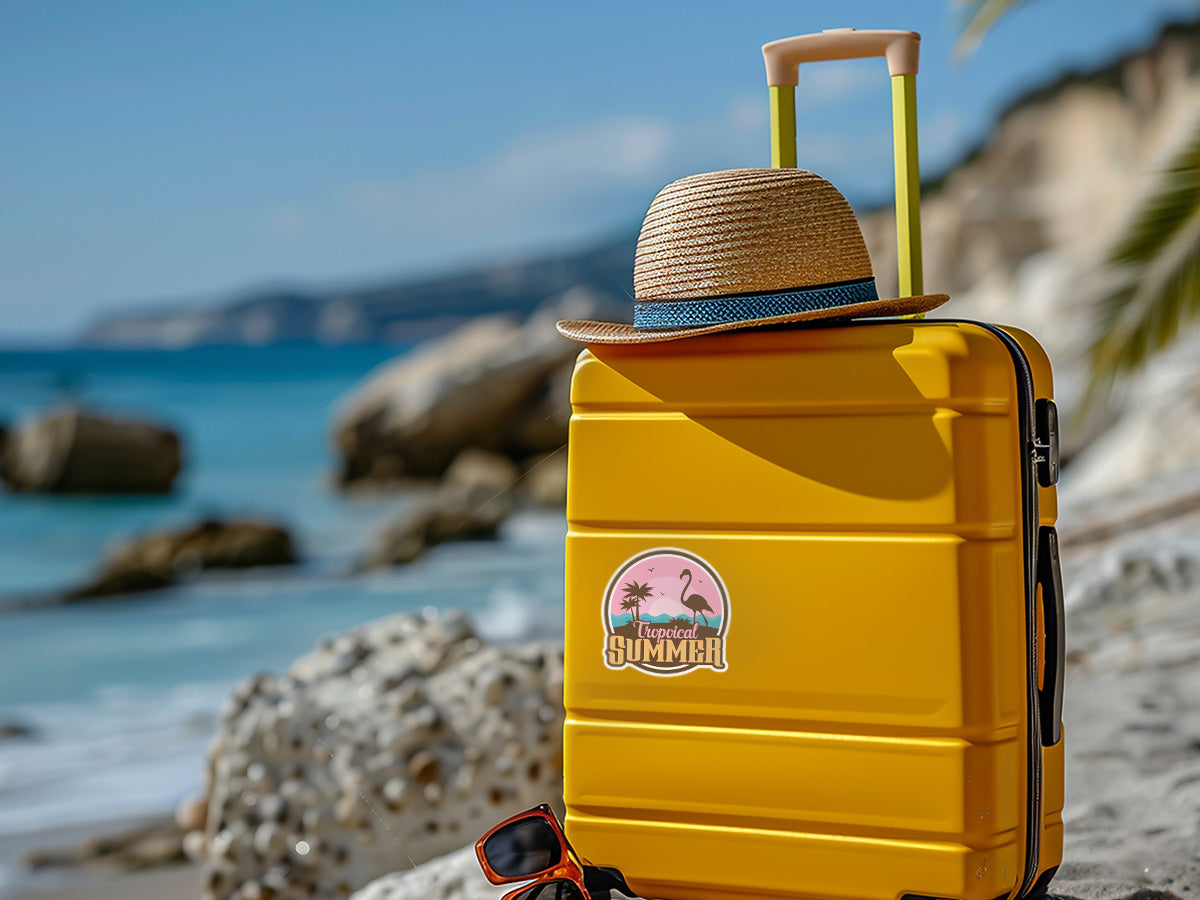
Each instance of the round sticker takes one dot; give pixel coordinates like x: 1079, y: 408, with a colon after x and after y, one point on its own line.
x: 666, y: 612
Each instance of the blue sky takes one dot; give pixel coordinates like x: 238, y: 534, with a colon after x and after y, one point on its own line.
x: 168, y: 151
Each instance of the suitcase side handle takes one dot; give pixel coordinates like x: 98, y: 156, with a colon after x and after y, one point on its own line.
x: 1050, y: 694
x: 902, y: 51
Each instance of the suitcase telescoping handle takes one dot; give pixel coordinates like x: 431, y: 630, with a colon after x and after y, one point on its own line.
x: 902, y: 50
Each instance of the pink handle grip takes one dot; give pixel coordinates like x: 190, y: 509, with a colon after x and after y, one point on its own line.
x: 901, y: 49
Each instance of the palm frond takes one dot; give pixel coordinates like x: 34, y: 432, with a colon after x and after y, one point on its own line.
x: 1164, y: 214
x: 978, y: 18
x: 1160, y: 252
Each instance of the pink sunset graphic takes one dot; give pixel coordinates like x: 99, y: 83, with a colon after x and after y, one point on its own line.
x: 669, y: 585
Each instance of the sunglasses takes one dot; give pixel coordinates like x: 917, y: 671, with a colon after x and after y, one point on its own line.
x: 531, y: 845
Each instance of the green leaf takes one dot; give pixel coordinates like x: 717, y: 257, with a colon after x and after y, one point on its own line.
x: 1160, y: 253
x: 1164, y: 214
x: 979, y: 18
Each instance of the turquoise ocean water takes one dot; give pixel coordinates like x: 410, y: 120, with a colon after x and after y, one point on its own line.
x: 122, y: 694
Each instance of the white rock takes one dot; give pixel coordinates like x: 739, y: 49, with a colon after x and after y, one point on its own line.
x: 370, y: 784
x: 453, y: 877
x: 1019, y: 235
x: 495, y: 383
x: 191, y: 812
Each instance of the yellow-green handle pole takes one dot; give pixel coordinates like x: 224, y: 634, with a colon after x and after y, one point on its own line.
x: 783, y: 126
x: 908, y: 184
x: 902, y: 50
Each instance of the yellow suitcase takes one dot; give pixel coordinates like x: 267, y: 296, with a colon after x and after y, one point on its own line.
x: 862, y: 695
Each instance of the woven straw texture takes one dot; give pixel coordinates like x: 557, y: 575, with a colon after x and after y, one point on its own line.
x: 745, y: 232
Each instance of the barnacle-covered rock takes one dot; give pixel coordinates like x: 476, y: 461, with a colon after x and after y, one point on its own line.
x: 393, y: 744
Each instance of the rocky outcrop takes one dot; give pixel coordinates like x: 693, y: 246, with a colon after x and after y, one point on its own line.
x: 1018, y: 234
x: 456, y: 876
x: 1128, y: 552
x: 71, y: 450
x: 151, y: 846
x: 15, y: 729
x: 1154, y: 429
x: 391, y: 745
x: 1165, y: 505
x: 496, y: 384
x: 544, y: 480
x: 160, y: 559
x: 454, y: 512
x: 401, y: 312
x: 480, y: 472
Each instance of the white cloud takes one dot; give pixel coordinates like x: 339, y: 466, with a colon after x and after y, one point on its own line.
x: 540, y: 175
x: 569, y: 182
x: 749, y: 113
x: 556, y: 175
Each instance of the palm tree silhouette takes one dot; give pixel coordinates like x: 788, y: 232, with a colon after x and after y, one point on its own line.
x: 635, y: 595
x: 1158, y: 295
x: 627, y: 604
x: 695, y: 602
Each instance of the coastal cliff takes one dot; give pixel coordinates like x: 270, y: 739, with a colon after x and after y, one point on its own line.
x: 400, y: 312
x: 1019, y: 233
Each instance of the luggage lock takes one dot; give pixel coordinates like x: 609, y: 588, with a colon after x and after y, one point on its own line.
x: 1045, y: 442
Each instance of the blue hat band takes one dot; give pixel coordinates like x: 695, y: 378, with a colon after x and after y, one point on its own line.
x: 749, y: 307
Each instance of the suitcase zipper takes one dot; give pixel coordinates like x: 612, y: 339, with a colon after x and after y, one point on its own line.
x: 1030, y: 452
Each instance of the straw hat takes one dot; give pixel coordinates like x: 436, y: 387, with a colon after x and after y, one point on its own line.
x: 747, y: 247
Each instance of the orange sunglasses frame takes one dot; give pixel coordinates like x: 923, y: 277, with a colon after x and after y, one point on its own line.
x: 566, y: 869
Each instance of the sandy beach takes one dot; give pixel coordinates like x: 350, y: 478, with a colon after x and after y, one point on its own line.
x: 76, y: 883
x: 181, y: 883
x: 1133, y: 730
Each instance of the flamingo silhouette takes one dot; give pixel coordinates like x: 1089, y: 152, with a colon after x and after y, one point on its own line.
x: 695, y: 602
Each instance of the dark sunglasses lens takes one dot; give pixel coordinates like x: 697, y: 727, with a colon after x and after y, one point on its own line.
x: 552, y: 890
x: 525, y: 847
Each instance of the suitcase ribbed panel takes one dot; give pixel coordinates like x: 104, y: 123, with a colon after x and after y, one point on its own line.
x: 858, y: 492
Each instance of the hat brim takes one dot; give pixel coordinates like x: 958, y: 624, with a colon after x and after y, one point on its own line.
x: 619, y: 333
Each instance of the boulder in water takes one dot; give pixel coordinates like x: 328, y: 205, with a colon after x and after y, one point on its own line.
x: 495, y: 384
x: 158, y: 559
x: 452, y: 513
x: 545, y: 479
x: 15, y: 729
x: 71, y: 450
x: 479, y: 471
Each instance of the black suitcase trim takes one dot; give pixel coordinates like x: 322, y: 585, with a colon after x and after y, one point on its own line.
x: 1029, y: 493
